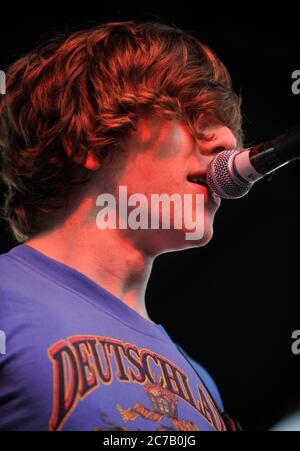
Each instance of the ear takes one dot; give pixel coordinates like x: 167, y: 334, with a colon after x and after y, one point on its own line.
x: 91, y: 162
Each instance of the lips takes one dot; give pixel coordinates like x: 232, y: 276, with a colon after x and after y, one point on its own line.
x: 200, y: 179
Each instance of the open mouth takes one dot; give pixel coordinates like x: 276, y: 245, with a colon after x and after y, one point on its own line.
x: 198, y: 180
x: 201, y: 180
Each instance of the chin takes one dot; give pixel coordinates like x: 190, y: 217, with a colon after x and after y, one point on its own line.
x: 176, y: 240
x: 208, y: 234
x: 181, y: 243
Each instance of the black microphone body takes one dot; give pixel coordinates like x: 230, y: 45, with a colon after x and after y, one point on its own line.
x: 232, y: 174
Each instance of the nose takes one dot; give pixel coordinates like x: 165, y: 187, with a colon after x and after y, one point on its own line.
x: 216, y: 139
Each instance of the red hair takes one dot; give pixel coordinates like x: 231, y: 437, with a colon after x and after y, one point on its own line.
x: 84, y: 93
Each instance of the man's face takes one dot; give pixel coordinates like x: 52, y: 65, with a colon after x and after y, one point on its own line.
x: 160, y: 157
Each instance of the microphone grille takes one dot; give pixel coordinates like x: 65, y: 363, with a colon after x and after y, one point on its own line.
x: 220, y: 179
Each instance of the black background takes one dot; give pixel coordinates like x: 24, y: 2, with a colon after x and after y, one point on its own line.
x: 233, y: 304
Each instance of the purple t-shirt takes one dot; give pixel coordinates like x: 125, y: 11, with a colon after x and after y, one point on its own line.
x: 78, y: 358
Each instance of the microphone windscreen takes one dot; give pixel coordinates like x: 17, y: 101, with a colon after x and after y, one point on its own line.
x: 221, y: 180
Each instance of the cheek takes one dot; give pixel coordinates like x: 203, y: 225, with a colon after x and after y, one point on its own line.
x: 152, y: 179
x: 145, y: 172
x: 164, y: 183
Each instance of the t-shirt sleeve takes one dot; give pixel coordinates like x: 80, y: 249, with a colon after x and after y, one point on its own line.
x: 210, y: 384
x: 207, y: 379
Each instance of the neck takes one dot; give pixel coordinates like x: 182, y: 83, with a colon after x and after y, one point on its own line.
x: 108, y: 257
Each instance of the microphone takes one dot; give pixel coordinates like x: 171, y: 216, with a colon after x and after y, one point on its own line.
x: 231, y: 174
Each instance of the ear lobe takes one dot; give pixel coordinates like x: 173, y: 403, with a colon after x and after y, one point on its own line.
x: 91, y: 162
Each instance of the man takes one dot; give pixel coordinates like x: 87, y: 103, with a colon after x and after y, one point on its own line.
x: 142, y: 108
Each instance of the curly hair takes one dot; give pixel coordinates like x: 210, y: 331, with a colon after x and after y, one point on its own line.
x: 84, y: 92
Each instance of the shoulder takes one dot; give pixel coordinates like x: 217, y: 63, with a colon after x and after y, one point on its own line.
x: 15, y: 284
x: 8, y: 265
x: 208, y: 381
